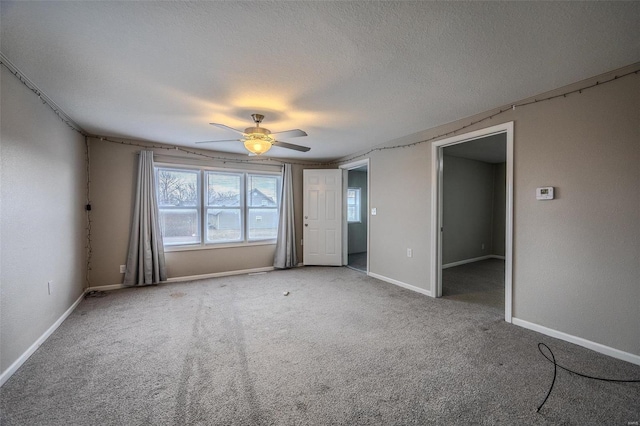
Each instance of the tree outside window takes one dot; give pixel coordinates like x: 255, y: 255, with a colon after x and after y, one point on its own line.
x: 178, y: 205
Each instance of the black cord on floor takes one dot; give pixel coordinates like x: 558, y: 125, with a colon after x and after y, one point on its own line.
x: 555, y: 372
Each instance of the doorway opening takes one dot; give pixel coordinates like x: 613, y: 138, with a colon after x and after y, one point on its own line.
x: 356, y: 218
x: 472, y: 218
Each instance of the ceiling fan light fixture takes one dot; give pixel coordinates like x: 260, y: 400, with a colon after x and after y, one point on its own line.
x: 258, y: 140
x: 258, y: 143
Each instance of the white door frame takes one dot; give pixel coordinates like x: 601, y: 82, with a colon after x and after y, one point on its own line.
x: 436, y: 210
x: 345, y: 226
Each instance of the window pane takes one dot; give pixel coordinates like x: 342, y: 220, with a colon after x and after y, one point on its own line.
x: 177, y: 188
x: 353, y: 205
x: 351, y: 214
x: 224, y: 225
x: 179, y: 226
x: 223, y: 189
x: 263, y: 191
x: 263, y: 224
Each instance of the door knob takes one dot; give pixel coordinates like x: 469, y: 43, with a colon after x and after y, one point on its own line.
x: 306, y: 224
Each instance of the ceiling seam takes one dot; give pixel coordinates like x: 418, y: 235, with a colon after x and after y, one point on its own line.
x: 40, y: 94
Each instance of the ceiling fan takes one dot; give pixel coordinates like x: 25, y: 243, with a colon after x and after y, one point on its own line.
x: 259, y: 140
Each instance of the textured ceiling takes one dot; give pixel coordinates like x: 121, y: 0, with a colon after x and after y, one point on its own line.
x: 352, y: 74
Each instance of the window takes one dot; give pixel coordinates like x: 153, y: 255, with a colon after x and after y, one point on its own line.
x: 262, y: 202
x: 179, y: 205
x: 224, y: 207
x: 353, y: 205
x: 205, y: 207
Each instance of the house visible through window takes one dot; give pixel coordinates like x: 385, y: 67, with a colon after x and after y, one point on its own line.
x: 353, y: 205
x: 200, y: 206
x: 262, y: 204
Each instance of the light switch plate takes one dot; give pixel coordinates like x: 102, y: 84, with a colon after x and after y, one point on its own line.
x: 374, y: 211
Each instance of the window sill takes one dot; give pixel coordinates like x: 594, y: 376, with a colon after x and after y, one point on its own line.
x: 169, y: 249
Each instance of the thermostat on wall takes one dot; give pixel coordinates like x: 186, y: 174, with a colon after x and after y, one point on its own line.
x: 545, y: 193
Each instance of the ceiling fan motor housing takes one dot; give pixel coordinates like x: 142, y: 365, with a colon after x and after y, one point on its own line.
x: 257, y: 118
x: 253, y: 130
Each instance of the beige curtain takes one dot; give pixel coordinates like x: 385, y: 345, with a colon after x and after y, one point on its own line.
x: 285, y: 256
x: 145, y: 261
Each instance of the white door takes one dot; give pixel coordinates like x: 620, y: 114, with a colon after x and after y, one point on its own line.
x: 322, y: 217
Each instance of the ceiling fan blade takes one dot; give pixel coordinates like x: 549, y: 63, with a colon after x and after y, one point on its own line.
x: 291, y: 146
x: 222, y: 126
x: 225, y: 140
x: 290, y: 133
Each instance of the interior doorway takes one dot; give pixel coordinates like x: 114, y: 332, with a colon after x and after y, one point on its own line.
x: 356, y: 215
x: 472, y: 211
x: 473, y: 221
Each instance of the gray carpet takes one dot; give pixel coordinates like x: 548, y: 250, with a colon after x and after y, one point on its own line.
x: 358, y: 261
x: 340, y: 349
x: 479, y: 283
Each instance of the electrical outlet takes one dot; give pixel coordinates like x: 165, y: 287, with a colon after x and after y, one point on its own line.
x: 50, y: 287
x: 409, y: 252
x: 123, y: 269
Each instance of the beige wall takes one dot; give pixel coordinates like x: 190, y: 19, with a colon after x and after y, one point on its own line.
x: 467, y: 209
x: 576, y: 267
x: 43, y: 230
x: 576, y: 258
x: 399, y: 190
x: 113, y: 168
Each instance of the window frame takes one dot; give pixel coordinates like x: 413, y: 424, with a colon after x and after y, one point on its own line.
x: 358, y: 204
x: 203, y: 205
x: 249, y: 207
x: 241, y: 206
x: 197, y: 207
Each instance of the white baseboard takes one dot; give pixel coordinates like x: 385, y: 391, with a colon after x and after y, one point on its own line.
x: 220, y: 274
x: 606, y: 350
x: 401, y: 284
x: 475, y: 259
x: 465, y: 261
x: 190, y: 278
x: 105, y: 287
x: 25, y: 356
